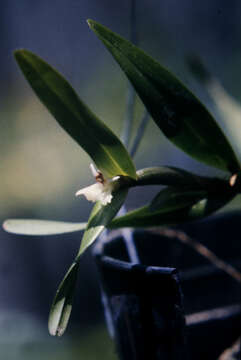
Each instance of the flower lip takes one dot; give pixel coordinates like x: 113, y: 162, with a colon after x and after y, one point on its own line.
x: 101, y: 190
x: 97, y: 192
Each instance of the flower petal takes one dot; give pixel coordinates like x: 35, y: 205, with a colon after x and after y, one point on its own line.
x: 92, y: 192
x: 97, y: 192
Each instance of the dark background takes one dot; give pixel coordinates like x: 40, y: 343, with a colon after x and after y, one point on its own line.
x: 42, y: 168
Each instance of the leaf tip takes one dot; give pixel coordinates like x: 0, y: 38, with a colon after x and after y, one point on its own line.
x: 5, y: 225
x: 58, y: 320
x: 95, y: 26
x: 91, y: 23
x: 8, y: 226
x: 21, y: 55
x: 62, y: 305
x: 18, y: 52
x: 53, y: 331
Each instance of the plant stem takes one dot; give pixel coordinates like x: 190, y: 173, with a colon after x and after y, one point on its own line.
x: 139, y: 134
x: 131, y: 96
x: 128, y: 237
x: 126, y: 134
x: 130, y: 100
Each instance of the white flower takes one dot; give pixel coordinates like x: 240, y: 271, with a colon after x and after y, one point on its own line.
x: 101, y: 190
x: 96, y: 192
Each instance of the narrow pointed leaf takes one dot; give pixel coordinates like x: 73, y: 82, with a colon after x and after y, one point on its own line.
x: 173, y: 199
x: 143, y: 217
x: 177, y: 112
x: 41, y: 227
x: 106, y: 150
x: 62, y: 304
x: 100, y: 217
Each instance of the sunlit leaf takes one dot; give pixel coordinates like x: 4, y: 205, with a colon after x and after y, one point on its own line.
x: 100, y: 217
x: 177, y: 112
x: 173, y: 199
x: 106, y: 150
x: 41, y: 227
x: 62, y: 304
x: 144, y: 217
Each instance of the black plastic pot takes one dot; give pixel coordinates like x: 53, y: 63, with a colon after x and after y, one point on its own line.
x: 144, y: 302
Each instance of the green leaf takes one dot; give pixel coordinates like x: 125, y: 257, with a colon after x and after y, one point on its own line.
x: 177, y: 112
x: 173, y: 199
x: 100, y: 217
x: 62, y: 304
x: 166, y: 175
x: 144, y: 217
x: 106, y: 150
x: 41, y: 227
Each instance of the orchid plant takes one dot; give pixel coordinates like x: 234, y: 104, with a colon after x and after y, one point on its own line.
x: 177, y: 113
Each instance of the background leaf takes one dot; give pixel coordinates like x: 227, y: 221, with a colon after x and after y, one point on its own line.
x: 226, y: 106
x: 177, y: 112
x: 106, y: 150
x: 41, y: 227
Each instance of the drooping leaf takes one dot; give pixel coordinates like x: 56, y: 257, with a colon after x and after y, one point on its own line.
x: 62, y: 304
x: 106, y: 150
x: 41, y: 227
x: 175, y: 198
x: 177, y: 112
x: 144, y: 217
x: 100, y: 217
